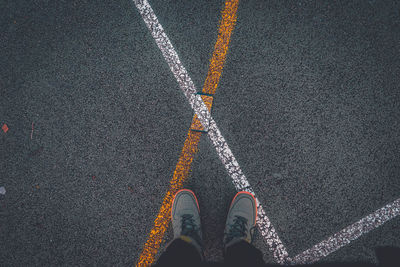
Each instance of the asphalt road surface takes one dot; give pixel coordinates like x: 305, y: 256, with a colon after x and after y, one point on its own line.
x: 308, y: 101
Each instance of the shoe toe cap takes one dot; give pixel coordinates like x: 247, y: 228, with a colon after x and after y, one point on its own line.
x: 185, y: 203
x: 244, y: 206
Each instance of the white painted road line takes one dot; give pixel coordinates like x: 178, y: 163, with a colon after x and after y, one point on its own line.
x: 241, y: 183
x: 177, y: 68
x: 185, y: 82
x: 348, y: 234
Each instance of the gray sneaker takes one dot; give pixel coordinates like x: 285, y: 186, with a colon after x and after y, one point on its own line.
x: 241, y: 220
x: 185, y: 217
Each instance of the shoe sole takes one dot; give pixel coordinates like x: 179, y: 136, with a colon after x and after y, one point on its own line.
x: 250, y: 194
x: 186, y: 190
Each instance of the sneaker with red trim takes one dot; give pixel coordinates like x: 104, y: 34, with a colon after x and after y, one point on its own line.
x: 241, y: 219
x: 185, y: 217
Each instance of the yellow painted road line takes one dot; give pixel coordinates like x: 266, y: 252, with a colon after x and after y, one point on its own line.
x: 221, y: 46
x: 163, y: 218
x: 190, y: 146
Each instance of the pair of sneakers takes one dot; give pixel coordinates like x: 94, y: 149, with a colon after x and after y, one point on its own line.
x: 239, y: 226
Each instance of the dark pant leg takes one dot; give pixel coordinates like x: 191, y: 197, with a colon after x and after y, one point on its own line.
x: 243, y: 254
x: 179, y: 253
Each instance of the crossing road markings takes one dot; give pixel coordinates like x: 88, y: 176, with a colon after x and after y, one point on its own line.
x: 190, y: 146
x: 224, y: 152
x: 239, y: 180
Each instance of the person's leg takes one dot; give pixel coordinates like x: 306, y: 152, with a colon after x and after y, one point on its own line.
x: 239, y: 231
x: 243, y: 254
x: 186, y: 247
x: 180, y: 253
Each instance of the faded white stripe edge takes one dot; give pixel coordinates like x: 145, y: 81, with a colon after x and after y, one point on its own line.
x: 348, y: 234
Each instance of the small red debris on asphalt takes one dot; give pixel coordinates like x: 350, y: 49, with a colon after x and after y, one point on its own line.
x: 93, y: 177
x: 130, y: 188
x: 5, y: 128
